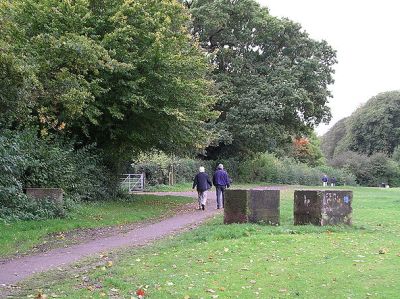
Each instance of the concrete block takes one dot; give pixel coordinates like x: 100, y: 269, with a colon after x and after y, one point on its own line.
x: 256, y: 206
x: 323, y: 207
x: 235, y: 206
x: 264, y: 206
x: 54, y: 194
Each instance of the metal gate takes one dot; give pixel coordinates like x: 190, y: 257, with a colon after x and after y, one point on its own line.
x: 132, y: 182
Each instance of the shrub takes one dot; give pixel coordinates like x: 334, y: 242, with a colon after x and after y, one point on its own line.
x: 261, y: 168
x: 28, y: 161
x: 267, y: 168
x: 369, y: 170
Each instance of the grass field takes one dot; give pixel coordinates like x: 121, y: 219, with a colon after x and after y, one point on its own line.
x: 21, y: 236
x: 256, y: 261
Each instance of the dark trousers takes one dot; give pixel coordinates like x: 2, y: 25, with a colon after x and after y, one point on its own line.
x: 220, y: 195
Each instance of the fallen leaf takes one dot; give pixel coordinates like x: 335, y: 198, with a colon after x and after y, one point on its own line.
x: 40, y: 295
x: 109, y: 264
x: 383, y: 251
x: 140, y: 293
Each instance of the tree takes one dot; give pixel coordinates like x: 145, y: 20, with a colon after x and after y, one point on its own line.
x: 307, y: 150
x: 125, y: 75
x: 375, y: 127
x: 372, y: 128
x: 272, y: 77
x: 332, y: 138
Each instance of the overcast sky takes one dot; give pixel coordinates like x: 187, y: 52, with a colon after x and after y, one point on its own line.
x: 366, y: 35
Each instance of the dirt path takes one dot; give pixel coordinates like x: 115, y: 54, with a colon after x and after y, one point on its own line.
x: 15, y: 270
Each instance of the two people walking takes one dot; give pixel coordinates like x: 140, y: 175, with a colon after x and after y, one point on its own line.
x: 220, y: 180
x: 325, y: 180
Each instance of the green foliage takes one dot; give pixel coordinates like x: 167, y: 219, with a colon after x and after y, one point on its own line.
x: 261, y: 168
x: 272, y: 76
x: 369, y: 170
x: 373, y: 128
x: 28, y: 161
x: 332, y: 139
x: 267, y: 168
x: 125, y: 75
x: 307, y: 150
x: 396, y: 154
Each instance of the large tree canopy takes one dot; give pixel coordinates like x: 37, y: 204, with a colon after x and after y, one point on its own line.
x: 272, y: 76
x: 373, y: 128
x: 124, y: 74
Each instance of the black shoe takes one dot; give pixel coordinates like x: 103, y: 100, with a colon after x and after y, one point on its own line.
x: 218, y: 208
x: 202, y: 207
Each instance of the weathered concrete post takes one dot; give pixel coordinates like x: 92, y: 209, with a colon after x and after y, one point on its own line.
x: 322, y: 207
x: 264, y: 206
x: 257, y: 206
x: 55, y: 194
x: 235, y: 206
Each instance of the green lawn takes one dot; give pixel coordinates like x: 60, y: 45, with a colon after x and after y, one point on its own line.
x: 255, y: 261
x: 21, y: 236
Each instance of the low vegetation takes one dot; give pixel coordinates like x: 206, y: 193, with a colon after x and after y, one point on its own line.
x: 256, y: 261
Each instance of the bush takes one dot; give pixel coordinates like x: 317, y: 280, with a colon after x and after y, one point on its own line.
x: 28, y: 161
x: 157, y: 167
x: 267, y: 168
x: 369, y: 170
x: 262, y: 168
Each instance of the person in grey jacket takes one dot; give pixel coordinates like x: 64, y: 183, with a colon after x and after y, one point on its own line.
x: 203, y: 183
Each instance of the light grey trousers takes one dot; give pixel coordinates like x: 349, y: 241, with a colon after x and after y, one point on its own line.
x: 202, y: 197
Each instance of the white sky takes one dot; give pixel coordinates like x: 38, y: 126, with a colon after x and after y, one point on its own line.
x: 366, y: 35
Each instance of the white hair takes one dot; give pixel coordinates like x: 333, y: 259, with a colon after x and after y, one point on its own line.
x: 220, y: 166
x: 201, y: 169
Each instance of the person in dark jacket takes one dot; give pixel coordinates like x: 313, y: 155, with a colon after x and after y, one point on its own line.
x: 203, y: 183
x: 221, y: 181
x: 325, y: 180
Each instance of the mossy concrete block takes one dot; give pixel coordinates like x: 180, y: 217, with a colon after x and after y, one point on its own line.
x: 264, y: 206
x: 257, y: 206
x: 235, y: 206
x: 54, y: 194
x: 323, y: 207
